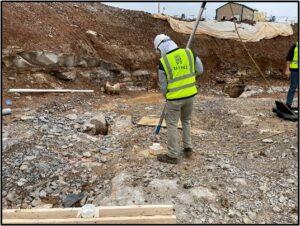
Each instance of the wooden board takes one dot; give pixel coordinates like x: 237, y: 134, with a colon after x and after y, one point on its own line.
x: 143, y: 214
x: 104, y: 211
x: 105, y: 220
x: 153, y: 121
x: 49, y: 91
x: 40, y: 213
x: 142, y: 210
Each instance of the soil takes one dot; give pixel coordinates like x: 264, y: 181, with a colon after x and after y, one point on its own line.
x: 234, y: 176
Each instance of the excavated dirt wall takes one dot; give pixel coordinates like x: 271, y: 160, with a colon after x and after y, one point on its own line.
x: 125, y: 38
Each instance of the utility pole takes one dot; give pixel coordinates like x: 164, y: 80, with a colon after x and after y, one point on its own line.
x: 158, y: 8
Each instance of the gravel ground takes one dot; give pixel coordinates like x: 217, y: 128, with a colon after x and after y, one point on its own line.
x: 244, y: 167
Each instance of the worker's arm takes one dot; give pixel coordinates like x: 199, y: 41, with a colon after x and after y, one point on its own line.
x: 162, y: 81
x: 287, y: 70
x: 199, y: 66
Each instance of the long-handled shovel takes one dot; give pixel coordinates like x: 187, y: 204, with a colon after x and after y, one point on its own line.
x: 163, y: 113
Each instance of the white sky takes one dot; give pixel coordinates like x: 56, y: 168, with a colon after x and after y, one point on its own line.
x: 278, y: 9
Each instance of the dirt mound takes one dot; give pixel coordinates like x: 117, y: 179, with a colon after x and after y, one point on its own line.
x: 126, y: 38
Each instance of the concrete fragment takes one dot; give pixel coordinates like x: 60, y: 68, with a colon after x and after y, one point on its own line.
x: 267, y: 141
x: 87, y: 154
x: 90, y: 32
x: 71, y: 116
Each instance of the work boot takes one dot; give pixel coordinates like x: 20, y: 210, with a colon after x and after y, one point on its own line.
x: 187, y: 152
x: 165, y: 158
x: 289, y: 106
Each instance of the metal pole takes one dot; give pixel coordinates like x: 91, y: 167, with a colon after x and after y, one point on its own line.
x: 196, y: 24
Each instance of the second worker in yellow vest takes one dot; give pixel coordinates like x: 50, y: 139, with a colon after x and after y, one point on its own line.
x: 178, y: 69
x: 292, y: 71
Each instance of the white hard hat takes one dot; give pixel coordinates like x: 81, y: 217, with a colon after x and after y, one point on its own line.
x: 160, y: 39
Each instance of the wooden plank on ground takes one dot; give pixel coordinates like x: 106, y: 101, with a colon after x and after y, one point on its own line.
x: 104, y: 220
x: 103, y: 211
x: 153, y: 121
x: 137, y: 210
x: 51, y: 213
x: 49, y: 91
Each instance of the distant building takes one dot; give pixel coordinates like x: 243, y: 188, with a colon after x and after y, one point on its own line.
x: 240, y: 12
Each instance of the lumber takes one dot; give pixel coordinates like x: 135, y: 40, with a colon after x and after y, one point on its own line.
x: 104, y: 211
x: 49, y: 91
x: 142, y: 210
x: 40, y: 213
x: 105, y: 220
x: 153, y: 121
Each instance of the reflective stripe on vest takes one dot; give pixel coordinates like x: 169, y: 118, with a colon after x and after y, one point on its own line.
x: 180, y: 71
x: 294, y: 64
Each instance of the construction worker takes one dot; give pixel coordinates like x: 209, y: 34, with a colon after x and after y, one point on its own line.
x: 178, y: 69
x: 292, y: 72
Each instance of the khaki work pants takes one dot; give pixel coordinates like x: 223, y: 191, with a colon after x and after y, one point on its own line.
x: 179, y: 109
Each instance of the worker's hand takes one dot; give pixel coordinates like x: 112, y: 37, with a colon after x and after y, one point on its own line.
x: 287, y: 73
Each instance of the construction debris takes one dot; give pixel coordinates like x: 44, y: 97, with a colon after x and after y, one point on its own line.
x: 114, y: 89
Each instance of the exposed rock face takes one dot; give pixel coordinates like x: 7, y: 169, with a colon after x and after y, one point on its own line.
x: 124, y: 38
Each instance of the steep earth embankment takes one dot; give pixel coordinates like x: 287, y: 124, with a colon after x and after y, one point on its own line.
x: 125, y: 38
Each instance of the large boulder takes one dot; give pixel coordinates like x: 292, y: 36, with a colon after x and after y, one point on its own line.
x: 68, y: 60
x: 48, y: 58
x: 41, y: 58
x: 20, y: 62
x: 96, y: 125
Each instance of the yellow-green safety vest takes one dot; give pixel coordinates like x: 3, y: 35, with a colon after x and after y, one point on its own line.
x: 180, y: 70
x: 294, y: 64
